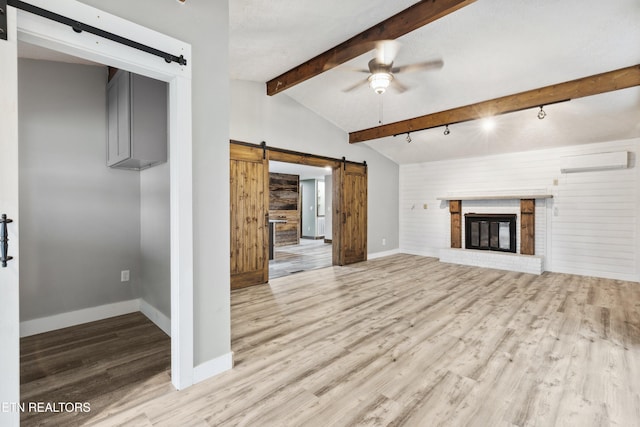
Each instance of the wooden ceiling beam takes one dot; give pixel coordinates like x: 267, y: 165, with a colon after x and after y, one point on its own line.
x: 587, y: 86
x: 404, y: 22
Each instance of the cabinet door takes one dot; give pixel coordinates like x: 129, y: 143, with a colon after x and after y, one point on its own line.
x: 118, y: 111
x: 148, y: 121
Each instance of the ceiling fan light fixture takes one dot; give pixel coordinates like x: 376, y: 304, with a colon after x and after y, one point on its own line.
x: 379, y: 82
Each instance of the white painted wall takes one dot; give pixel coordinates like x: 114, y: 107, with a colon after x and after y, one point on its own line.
x: 80, y: 220
x: 592, y: 224
x: 284, y: 123
x: 308, y: 193
x: 205, y: 25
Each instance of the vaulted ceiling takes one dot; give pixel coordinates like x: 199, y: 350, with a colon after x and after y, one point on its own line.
x: 490, y: 49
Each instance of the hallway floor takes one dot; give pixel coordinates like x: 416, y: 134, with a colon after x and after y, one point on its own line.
x: 308, y: 255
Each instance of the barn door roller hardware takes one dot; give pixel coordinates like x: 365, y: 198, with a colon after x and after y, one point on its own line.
x: 4, y: 240
x: 79, y: 27
x: 3, y: 19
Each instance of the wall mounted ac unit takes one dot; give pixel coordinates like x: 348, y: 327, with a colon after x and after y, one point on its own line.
x: 595, y: 162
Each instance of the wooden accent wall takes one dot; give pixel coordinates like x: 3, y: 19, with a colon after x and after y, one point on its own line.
x: 284, y: 195
x: 286, y: 233
x: 527, y: 226
x: 284, y: 190
x: 455, y: 208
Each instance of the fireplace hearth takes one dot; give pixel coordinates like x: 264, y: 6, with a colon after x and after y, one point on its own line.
x: 492, y: 232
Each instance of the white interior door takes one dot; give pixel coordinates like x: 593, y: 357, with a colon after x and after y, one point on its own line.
x: 9, y: 302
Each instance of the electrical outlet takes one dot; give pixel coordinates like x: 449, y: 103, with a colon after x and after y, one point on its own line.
x: 425, y: 206
x: 124, y: 276
x: 555, y: 181
x: 384, y: 242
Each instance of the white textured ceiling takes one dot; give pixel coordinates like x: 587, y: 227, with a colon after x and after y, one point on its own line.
x: 490, y: 49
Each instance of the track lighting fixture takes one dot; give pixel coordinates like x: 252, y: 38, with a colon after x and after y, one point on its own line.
x: 541, y: 114
x: 446, y: 130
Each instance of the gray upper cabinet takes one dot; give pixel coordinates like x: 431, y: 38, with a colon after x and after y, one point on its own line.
x: 137, y: 121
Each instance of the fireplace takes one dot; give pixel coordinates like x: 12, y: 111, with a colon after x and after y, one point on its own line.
x: 492, y: 232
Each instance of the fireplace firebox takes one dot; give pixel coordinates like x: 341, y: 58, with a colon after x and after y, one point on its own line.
x: 492, y: 232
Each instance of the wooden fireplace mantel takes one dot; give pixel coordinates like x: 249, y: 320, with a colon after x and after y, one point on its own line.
x: 516, y: 195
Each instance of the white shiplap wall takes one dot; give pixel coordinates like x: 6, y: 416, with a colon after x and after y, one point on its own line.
x: 590, y: 227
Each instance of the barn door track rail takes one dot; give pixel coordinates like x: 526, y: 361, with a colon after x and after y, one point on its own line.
x: 79, y: 27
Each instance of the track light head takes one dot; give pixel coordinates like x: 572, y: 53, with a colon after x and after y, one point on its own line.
x: 541, y: 114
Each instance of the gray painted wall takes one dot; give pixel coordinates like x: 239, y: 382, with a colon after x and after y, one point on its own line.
x: 284, y: 123
x: 308, y: 207
x: 328, y: 204
x: 155, y: 256
x: 205, y: 25
x: 79, y: 220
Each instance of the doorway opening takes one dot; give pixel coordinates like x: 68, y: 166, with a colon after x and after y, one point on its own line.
x: 252, y: 221
x: 95, y: 234
x: 47, y: 34
x: 300, y: 220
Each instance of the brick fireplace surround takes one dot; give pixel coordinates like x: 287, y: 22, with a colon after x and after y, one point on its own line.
x: 526, y: 261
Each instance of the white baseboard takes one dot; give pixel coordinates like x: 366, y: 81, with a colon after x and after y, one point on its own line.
x: 212, y: 367
x: 383, y: 254
x: 71, y: 318
x: 91, y: 314
x: 602, y: 274
x: 432, y: 253
x: 156, y: 316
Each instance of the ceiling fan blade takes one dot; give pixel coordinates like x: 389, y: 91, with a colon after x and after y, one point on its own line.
x: 420, y: 66
x: 386, y: 51
x: 399, y: 87
x: 357, y: 70
x: 356, y: 85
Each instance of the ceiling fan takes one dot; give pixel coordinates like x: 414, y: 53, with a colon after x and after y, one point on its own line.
x: 382, y: 72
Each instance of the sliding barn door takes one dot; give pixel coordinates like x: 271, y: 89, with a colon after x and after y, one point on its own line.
x: 350, y: 214
x: 249, y: 177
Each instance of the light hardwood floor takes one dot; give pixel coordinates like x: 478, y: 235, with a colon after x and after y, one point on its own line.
x: 406, y: 340
x: 293, y: 259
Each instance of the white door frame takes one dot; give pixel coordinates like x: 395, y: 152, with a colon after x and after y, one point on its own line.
x: 55, y: 36
x: 9, y: 280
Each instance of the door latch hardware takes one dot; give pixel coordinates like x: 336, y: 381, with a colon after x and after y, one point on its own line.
x: 4, y: 240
